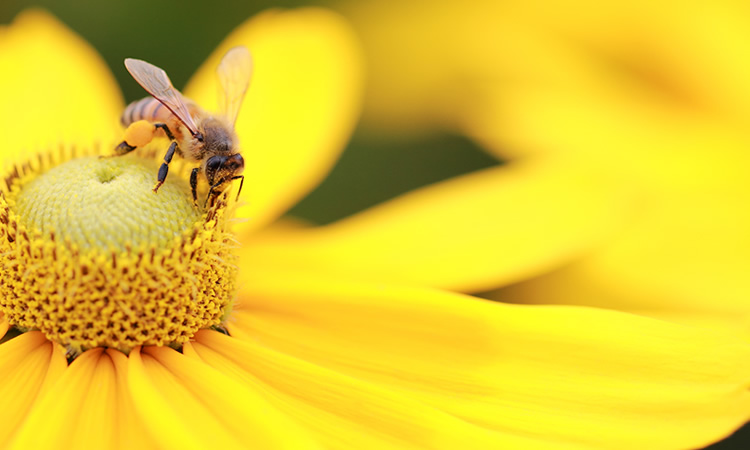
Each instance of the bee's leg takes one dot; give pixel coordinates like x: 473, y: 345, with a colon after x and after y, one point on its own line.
x: 242, y: 181
x: 165, y: 165
x: 212, y: 193
x: 124, y: 148
x: 194, y: 184
x: 208, y: 197
x: 164, y: 127
x: 137, y: 135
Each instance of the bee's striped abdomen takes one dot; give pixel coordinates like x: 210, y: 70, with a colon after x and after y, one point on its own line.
x: 145, y: 109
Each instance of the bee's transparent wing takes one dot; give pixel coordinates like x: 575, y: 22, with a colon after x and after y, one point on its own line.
x: 156, y: 82
x: 234, y: 72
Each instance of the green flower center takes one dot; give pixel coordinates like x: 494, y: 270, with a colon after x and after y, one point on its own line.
x: 107, y: 203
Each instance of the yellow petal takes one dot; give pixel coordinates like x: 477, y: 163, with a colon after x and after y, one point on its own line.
x: 84, y: 410
x: 341, y: 411
x: 474, y: 232
x: 422, y: 75
x: 637, y: 139
x: 129, y: 426
x: 425, y: 57
x: 56, y: 89
x: 685, y: 249
x: 29, y: 365
x: 674, y: 49
x: 736, y: 324
x: 560, y: 374
x: 688, y: 255
x: 300, y: 109
x: 188, y: 405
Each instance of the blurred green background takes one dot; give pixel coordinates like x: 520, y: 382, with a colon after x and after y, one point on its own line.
x: 179, y: 35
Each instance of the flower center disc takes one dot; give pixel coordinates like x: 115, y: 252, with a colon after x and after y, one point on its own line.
x: 91, y: 257
x: 93, y: 203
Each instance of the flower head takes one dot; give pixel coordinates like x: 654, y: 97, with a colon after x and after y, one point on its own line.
x: 326, y: 346
x: 92, y: 259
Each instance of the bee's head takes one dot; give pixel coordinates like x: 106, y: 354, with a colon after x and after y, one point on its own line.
x: 223, y: 168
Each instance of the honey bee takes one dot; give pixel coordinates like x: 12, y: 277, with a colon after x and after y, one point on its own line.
x: 194, y: 134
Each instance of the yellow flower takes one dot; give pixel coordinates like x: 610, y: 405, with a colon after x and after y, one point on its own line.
x: 339, y: 338
x: 652, y: 98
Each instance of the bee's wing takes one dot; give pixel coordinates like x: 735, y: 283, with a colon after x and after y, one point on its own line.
x: 156, y: 82
x: 234, y: 72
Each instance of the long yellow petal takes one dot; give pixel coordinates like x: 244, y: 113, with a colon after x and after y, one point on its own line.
x: 341, y: 411
x: 474, y: 232
x: 186, y: 404
x: 129, y: 426
x: 562, y: 374
x: 29, y: 364
x: 83, y: 410
x: 300, y: 109
x: 56, y: 89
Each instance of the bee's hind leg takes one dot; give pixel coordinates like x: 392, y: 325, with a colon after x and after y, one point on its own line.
x: 164, y: 169
x: 137, y: 135
x: 124, y: 148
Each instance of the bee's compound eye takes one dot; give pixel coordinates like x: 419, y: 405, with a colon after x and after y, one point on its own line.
x: 213, y: 163
x: 237, y: 162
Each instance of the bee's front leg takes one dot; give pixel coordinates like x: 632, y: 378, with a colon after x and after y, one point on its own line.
x: 213, y: 193
x: 194, y: 184
x: 164, y: 169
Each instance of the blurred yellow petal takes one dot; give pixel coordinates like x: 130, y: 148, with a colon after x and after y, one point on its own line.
x: 56, y: 88
x: 425, y: 76
x: 417, y: 55
x: 474, y: 232
x: 686, y: 247
x: 203, y: 408
x: 585, y: 377
x: 29, y: 365
x: 83, y: 410
x: 300, y: 109
x: 736, y: 324
x: 3, y: 326
x: 674, y: 49
x: 643, y: 143
x: 688, y: 254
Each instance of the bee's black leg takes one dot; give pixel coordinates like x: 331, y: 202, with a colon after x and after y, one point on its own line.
x: 123, y: 148
x: 242, y: 181
x: 165, y: 165
x: 212, y: 193
x: 164, y: 127
x: 194, y: 184
x: 208, y: 197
